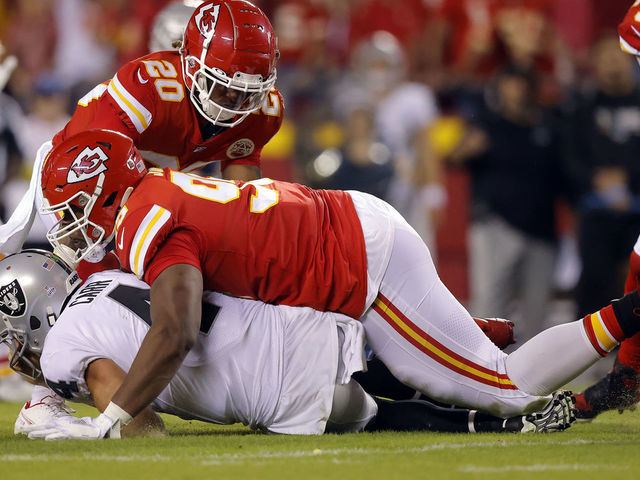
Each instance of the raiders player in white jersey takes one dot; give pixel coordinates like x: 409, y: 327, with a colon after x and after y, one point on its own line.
x: 277, y: 368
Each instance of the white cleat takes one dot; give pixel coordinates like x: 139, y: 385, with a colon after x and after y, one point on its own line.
x: 42, y: 413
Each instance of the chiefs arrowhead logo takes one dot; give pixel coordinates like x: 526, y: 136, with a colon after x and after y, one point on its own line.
x: 206, y: 20
x: 89, y: 163
x: 241, y: 148
x: 12, y: 300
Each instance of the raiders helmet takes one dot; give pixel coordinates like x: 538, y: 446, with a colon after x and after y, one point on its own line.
x: 34, y: 285
x: 169, y: 24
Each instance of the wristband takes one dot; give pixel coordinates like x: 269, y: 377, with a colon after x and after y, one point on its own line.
x: 117, y: 414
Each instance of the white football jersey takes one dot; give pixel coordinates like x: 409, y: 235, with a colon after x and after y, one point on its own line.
x: 266, y: 366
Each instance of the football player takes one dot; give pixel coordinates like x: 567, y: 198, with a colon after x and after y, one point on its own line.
x: 278, y: 368
x: 620, y: 388
x: 284, y: 243
x: 213, y: 99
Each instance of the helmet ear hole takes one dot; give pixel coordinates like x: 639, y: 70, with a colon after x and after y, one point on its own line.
x: 34, y: 323
x: 110, y: 199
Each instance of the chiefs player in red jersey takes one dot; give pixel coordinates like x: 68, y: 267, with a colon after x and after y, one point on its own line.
x: 620, y: 388
x: 284, y: 243
x: 214, y: 99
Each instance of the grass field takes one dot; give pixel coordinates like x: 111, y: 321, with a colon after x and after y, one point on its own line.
x: 608, y: 448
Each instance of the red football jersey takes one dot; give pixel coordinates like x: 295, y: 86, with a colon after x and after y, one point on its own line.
x: 147, y: 101
x: 274, y: 241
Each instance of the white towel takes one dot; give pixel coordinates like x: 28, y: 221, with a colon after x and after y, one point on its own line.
x: 352, y: 355
x: 14, y: 232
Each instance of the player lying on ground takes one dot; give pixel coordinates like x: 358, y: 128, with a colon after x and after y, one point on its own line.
x: 284, y: 243
x: 279, y: 368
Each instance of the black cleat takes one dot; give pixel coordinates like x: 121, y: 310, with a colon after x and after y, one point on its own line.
x: 618, y: 390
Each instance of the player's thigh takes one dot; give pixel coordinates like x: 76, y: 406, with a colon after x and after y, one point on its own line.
x: 430, y: 342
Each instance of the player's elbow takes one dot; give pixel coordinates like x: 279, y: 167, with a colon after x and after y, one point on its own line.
x: 178, y: 340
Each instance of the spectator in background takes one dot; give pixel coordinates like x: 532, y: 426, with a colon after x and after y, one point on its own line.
x: 361, y: 163
x: 10, y: 120
x: 513, y: 155
x: 46, y: 115
x: 471, y: 40
x: 31, y: 36
x: 380, y: 77
x: 603, y: 140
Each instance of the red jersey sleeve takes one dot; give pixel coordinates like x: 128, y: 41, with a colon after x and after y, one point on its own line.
x: 149, y: 239
x: 180, y: 247
x: 263, y: 125
x: 133, y: 95
x: 125, y: 104
x: 140, y: 231
x: 97, y: 110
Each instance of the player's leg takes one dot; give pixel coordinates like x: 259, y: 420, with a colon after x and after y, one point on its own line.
x: 430, y: 342
x: 353, y: 410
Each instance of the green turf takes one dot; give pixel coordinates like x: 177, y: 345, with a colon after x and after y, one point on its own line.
x: 608, y: 448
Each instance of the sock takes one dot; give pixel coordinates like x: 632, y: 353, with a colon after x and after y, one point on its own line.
x: 603, y: 328
x: 627, y: 313
x: 40, y: 392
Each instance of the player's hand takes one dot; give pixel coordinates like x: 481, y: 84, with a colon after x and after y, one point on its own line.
x: 74, y: 428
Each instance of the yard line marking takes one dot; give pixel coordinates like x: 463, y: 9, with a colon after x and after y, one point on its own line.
x: 234, y: 458
x: 541, y: 468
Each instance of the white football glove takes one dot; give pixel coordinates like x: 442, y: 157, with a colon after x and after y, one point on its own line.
x: 74, y: 428
x: 105, y: 425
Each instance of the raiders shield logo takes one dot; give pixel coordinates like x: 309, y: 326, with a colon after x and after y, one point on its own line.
x: 12, y: 300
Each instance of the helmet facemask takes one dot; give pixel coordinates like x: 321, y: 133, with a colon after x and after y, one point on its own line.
x: 18, y: 342
x: 75, y: 237
x: 221, y: 99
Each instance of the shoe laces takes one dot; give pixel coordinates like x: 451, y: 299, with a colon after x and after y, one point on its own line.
x: 55, y: 405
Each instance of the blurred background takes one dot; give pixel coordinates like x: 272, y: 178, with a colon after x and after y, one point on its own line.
x: 503, y: 130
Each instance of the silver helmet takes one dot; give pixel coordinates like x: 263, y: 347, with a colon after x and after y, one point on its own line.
x: 34, y: 285
x: 169, y: 24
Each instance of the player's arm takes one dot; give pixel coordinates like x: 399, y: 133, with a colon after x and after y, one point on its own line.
x: 176, y: 306
x: 103, y: 378
x: 244, y: 173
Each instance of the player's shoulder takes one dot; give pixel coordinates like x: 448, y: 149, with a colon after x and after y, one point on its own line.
x: 93, y: 288
x: 153, y: 65
x: 148, y: 86
x: 144, y: 221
